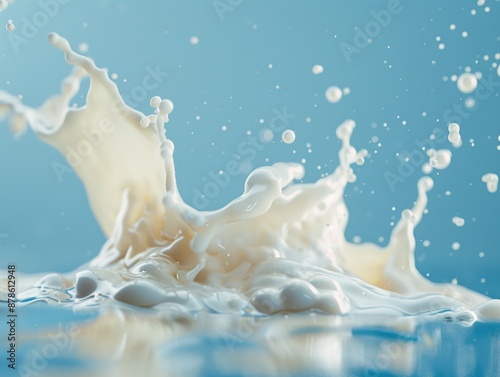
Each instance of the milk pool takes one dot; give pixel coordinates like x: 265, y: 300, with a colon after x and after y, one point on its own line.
x: 266, y: 285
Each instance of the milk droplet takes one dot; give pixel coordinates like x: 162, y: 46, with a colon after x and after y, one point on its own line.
x: 266, y: 135
x: 454, y: 127
x: 453, y: 27
x: 454, y: 135
x: 333, y: 94
x: 166, y: 106
x: 458, y: 221
x: 3, y: 5
x: 455, y: 246
x: 439, y: 159
x: 10, y: 26
x: 145, y: 122
x: 83, y: 47
x: 467, y: 82
x: 426, y: 168
x: 491, y: 180
x: 288, y: 136
x: 470, y: 103
x: 317, y: 69
x: 194, y: 40
x: 155, y: 102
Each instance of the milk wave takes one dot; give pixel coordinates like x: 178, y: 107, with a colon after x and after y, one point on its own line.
x: 279, y: 247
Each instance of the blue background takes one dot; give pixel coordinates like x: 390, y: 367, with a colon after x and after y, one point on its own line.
x: 46, y: 225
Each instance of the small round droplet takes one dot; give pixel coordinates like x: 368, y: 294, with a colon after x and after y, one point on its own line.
x: 455, y: 246
x: 467, y: 82
x: 145, y: 122
x: 266, y: 135
x: 155, y: 102
x: 333, y: 94
x: 194, y: 40
x: 458, y: 221
x: 10, y: 26
x: 317, y: 69
x: 454, y: 127
x: 288, y: 136
x: 83, y: 47
x: 470, y: 103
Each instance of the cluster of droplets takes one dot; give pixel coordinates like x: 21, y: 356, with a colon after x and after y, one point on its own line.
x: 491, y: 180
x: 163, y: 107
x: 440, y: 159
x: 454, y: 135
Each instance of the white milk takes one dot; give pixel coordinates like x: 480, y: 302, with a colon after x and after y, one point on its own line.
x: 279, y: 247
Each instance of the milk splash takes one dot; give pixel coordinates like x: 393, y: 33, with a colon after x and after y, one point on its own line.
x: 278, y: 248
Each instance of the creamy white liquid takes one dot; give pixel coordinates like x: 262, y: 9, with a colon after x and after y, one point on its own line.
x: 279, y: 247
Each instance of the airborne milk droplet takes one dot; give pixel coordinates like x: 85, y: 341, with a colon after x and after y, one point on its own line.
x: 83, y: 47
x: 467, y: 82
x: 439, y: 159
x: 333, y: 94
x: 317, y: 69
x: 194, y: 40
x: 10, y: 26
x: 458, y: 221
x: 491, y: 180
x: 454, y: 135
x: 288, y: 136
